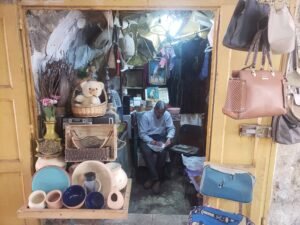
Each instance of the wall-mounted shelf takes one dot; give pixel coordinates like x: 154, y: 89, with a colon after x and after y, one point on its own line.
x: 134, y: 87
x: 24, y: 212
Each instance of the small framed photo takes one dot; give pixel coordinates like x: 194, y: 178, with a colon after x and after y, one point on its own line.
x: 156, y: 93
x: 157, y: 72
x: 152, y: 93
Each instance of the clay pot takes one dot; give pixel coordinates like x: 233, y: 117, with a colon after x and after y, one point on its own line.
x: 42, y: 162
x: 54, y: 199
x: 37, y: 200
x: 115, y: 200
x: 118, y: 174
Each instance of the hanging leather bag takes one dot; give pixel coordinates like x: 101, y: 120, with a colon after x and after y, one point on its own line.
x: 227, y: 183
x: 281, y: 30
x: 286, y: 128
x: 293, y: 80
x: 245, y: 22
x: 255, y: 93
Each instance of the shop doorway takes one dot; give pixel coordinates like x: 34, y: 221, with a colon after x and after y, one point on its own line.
x: 145, y: 56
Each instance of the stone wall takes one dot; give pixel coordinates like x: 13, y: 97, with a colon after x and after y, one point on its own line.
x: 285, y: 202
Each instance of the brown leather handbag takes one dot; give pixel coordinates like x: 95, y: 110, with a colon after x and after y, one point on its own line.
x: 255, y: 93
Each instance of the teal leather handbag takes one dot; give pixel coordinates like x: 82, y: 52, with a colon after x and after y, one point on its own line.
x: 201, y: 215
x: 226, y: 183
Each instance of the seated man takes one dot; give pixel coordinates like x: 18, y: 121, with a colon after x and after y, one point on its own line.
x: 155, y: 129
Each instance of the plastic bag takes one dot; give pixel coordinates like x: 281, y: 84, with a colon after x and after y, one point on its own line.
x: 194, y: 163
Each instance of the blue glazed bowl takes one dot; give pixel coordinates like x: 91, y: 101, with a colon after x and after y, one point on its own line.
x: 94, y: 200
x: 74, y: 196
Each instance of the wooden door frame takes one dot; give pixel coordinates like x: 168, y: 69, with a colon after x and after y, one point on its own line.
x: 215, y: 6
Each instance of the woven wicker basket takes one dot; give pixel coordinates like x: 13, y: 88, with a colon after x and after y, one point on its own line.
x: 92, y: 111
x: 101, y: 131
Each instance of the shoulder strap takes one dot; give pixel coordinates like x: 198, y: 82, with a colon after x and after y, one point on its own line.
x: 254, y: 48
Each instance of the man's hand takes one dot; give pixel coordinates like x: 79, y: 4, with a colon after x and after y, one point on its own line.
x: 168, y: 142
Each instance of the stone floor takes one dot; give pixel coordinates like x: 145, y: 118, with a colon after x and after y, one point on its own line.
x: 173, y: 199
x: 133, y: 219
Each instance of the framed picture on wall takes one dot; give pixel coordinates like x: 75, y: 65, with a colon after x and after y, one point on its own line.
x: 156, y: 93
x: 157, y: 72
x: 151, y: 93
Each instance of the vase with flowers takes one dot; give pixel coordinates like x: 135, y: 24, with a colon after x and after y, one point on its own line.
x: 48, y: 106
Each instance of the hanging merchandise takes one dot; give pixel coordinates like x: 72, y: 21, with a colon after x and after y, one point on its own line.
x: 168, y: 55
x: 210, y: 36
x: 208, y: 215
x: 227, y: 183
x: 112, y: 60
x: 281, y: 30
x: 255, y: 93
x: 293, y: 80
x: 286, y: 128
x: 129, y: 46
x: 247, y: 19
x: 205, y: 69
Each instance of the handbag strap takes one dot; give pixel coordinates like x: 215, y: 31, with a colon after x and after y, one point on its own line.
x: 254, y: 47
x: 294, y: 56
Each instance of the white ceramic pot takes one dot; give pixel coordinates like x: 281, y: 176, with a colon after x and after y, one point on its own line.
x: 118, y: 175
x: 115, y: 200
x: 37, y: 200
x: 42, y: 162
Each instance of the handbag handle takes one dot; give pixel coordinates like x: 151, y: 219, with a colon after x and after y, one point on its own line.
x: 294, y: 56
x: 254, y: 47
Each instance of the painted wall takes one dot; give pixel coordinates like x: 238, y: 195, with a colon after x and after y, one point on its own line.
x: 285, y: 199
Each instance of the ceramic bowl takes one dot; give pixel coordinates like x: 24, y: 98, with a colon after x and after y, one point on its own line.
x: 54, y: 199
x: 94, y: 200
x: 103, y: 175
x: 37, y: 200
x: 74, y: 196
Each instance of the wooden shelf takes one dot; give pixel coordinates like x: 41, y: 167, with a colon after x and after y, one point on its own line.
x: 24, y: 212
x: 133, y: 87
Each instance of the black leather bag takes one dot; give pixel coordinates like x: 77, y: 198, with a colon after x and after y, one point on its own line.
x: 249, y: 16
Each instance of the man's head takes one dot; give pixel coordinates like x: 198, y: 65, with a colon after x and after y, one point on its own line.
x: 159, y: 109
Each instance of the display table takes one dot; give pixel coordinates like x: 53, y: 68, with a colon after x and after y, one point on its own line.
x: 25, y: 213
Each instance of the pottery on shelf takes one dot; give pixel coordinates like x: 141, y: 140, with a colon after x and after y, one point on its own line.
x: 42, y: 162
x: 74, y: 197
x: 103, y: 175
x: 119, y: 176
x: 94, y: 200
x: 37, y: 200
x: 115, y: 200
x: 54, y: 199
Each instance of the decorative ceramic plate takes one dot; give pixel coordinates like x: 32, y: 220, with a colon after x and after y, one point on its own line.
x: 50, y: 178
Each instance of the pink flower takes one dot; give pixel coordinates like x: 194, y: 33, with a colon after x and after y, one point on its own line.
x: 48, y: 102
